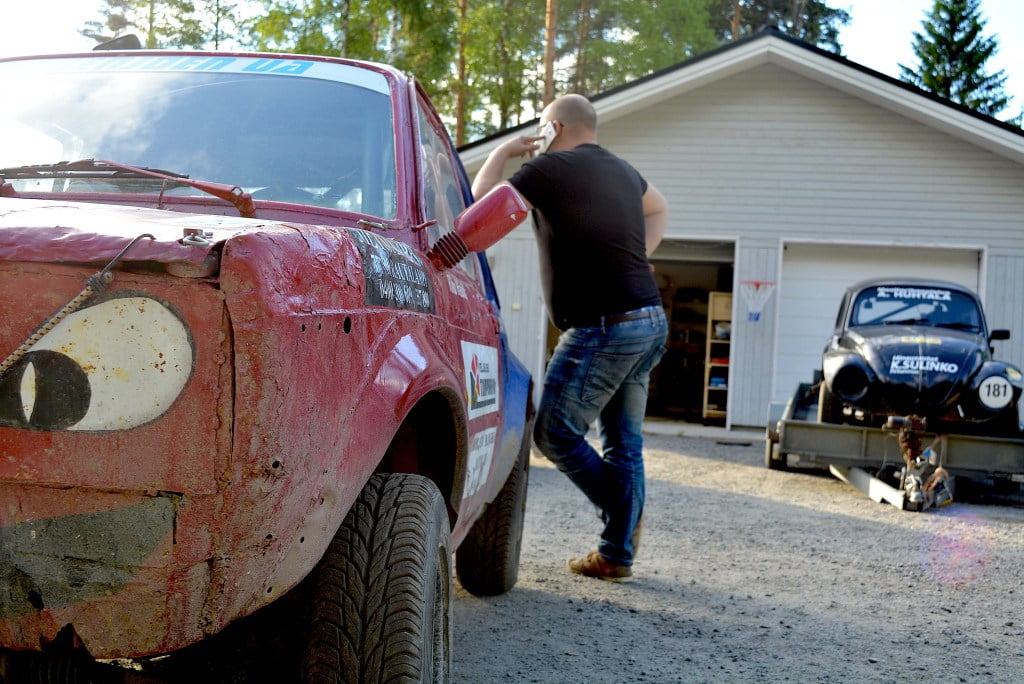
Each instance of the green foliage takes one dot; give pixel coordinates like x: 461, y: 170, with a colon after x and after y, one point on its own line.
x: 504, y: 43
x: 811, y: 21
x: 164, y: 23
x: 952, y: 53
x: 606, y: 43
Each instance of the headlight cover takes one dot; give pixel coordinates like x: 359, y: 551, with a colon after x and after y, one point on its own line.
x: 115, y: 365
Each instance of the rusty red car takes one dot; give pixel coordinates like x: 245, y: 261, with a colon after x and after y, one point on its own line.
x: 243, y: 358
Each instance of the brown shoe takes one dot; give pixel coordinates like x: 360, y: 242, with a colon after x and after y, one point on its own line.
x: 595, y: 565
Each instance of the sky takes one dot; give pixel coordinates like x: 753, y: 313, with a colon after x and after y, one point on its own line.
x: 879, y: 35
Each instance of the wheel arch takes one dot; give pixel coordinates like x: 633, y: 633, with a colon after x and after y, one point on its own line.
x: 431, y: 441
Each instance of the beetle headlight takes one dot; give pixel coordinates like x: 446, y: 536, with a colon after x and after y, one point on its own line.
x: 112, y: 366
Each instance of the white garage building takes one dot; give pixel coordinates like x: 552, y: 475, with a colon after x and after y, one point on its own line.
x: 789, y: 165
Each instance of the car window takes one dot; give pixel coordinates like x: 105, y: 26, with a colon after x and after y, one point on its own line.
x: 442, y: 199
x: 915, y: 305
x: 280, y: 137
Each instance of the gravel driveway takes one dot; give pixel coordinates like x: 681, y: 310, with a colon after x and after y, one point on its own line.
x: 748, y: 574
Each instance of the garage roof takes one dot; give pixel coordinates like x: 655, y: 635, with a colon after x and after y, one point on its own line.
x: 773, y: 47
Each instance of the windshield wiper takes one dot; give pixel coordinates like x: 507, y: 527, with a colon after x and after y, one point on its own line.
x: 101, y: 168
x: 83, y: 168
x: 907, y: 321
x: 958, y: 325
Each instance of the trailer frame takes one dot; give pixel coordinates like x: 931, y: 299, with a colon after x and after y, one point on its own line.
x: 796, y: 438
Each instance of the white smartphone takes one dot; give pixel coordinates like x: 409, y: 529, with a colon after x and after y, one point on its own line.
x: 549, y: 133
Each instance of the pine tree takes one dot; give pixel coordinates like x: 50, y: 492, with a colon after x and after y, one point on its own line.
x: 952, y: 53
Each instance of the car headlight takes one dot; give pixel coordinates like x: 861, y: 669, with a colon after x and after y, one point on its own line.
x: 112, y: 366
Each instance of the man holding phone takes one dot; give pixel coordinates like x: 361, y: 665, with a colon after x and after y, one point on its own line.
x: 597, y: 220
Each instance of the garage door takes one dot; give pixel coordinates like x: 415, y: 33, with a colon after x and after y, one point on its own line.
x: 814, y: 278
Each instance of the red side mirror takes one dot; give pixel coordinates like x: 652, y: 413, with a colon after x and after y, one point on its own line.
x: 479, y: 226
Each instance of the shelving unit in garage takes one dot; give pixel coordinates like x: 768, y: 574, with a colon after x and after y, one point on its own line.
x: 716, y: 354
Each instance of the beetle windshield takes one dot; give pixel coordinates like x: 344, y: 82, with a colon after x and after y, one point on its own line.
x: 916, y: 305
x: 290, y: 130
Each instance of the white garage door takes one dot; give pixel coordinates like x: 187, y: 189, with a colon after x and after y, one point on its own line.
x: 814, y: 278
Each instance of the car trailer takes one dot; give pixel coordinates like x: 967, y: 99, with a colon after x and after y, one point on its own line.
x: 872, y: 458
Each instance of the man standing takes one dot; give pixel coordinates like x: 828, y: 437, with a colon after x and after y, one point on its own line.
x: 597, y: 221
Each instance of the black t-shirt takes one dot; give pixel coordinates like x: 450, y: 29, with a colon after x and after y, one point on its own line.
x: 588, y: 212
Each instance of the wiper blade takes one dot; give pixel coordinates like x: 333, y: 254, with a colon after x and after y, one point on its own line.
x: 958, y: 325
x: 84, y: 167
x: 907, y: 321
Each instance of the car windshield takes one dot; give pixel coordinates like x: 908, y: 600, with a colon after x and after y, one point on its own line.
x: 916, y: 305
x: 282, y: 129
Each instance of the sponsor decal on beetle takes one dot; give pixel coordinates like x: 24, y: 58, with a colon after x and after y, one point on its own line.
x: 902, y: 364
x: 920, y: 340
x: 480, y: 364
x: 914, y: 293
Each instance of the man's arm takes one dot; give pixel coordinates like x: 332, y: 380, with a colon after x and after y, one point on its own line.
x: 655, y: 217
x: 491, y: 172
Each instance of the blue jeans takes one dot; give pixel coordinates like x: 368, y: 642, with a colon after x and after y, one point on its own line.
x: 602, y: 373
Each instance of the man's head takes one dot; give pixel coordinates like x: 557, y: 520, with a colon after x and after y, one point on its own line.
x: 574, y: 121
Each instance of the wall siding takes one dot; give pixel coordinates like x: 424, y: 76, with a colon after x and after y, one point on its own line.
x: 769, y: 153
x: 517, y: 279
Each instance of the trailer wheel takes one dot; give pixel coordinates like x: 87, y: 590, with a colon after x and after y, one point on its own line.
x: 487, y: 561
x: 381, y: 596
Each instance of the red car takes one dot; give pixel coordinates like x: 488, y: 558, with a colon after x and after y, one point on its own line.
x: 234, y: 369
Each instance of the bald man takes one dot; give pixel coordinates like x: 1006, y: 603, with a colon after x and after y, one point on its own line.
x: 597, y: 221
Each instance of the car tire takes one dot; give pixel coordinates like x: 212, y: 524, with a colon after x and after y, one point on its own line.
x: 380, y: 601
x: 487, y: 561
x: 830, y: 409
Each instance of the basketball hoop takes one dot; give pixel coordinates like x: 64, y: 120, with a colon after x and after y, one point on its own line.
x: 755, y: 294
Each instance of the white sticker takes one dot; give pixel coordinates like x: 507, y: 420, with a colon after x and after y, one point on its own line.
x: 914, y: 293
x: 481, y: 453
x: 995, y: 392
x: 480, y: 364
x: 907, y: 365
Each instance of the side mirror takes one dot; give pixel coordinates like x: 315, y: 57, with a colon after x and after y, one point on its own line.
x: 479, y: 226
x: 1000, y: 334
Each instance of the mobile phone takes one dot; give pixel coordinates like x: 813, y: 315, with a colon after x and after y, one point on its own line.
x: 549, y: 133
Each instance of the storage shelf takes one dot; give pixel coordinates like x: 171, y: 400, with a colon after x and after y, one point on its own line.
x: 716, y: 351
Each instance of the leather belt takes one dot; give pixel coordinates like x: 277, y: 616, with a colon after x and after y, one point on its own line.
x: 612, y: 319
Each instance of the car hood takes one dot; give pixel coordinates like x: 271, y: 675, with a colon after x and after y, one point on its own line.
x: 924, y: 368
x: 58, y: 231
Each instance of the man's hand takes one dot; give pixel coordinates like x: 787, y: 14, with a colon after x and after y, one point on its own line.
x: 491, y: 172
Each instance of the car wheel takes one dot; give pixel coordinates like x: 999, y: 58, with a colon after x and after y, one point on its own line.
x: 830, y: 409
x: 380, y: 601
x: 487, y: 561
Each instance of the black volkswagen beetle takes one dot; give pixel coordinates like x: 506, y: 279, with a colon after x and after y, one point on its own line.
x: 917, y: 347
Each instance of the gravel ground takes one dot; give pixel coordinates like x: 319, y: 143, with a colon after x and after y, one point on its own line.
x: 748, y: 574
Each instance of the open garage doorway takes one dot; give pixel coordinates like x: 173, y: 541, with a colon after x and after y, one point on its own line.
x: 687, y: 273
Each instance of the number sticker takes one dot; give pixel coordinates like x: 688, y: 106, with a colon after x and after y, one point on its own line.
x: 995, y: 392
